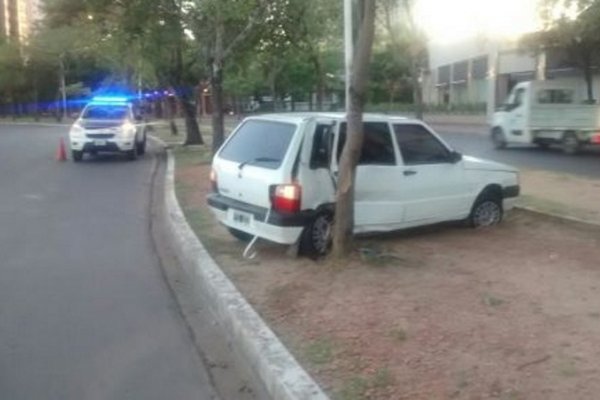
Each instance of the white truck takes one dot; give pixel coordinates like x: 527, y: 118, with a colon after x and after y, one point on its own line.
x: 545, y: 113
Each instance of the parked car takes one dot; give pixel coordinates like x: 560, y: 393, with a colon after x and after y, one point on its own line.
x: 546, y: 113
x: 276, y: 175
x: 108, y: 124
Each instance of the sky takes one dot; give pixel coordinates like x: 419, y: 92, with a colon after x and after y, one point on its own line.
x: 448, y: 21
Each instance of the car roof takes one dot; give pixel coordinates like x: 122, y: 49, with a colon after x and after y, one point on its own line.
x: 297, y: 117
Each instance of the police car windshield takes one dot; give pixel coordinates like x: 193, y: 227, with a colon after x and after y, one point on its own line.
x: 110, y: 112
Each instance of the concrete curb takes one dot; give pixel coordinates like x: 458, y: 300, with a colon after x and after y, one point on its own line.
x: 268, y: 359
x: 536, y: 210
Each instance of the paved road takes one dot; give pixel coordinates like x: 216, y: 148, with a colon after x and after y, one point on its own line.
x: 474, y: 140
x: 84, y: 311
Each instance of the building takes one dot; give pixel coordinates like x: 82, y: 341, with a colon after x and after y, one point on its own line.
x: 17, y: 18
x: 476, y: 71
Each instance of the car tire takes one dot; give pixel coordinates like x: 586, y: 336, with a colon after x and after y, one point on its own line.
x: 487, y: 210
x: 132, y: 154
x: 543, y: 145
x: 76, y: 155
x: 316, y: 238
x: 141, y: 147
x: 498, y: 138
x: 240, y: 235
x: 570, y: 143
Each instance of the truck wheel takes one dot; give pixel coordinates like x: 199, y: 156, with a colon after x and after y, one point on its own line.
x: 498, y: 138
x: 239, y: 235
x: 76, y: 155
x: 487, y: 210
x: 570, y: 143
x: 316, y: 238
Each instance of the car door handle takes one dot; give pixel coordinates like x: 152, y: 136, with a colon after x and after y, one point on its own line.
x: 409, y: 172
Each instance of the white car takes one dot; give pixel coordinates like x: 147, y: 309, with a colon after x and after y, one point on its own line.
x: 107, y: 125
x: 276, y: 175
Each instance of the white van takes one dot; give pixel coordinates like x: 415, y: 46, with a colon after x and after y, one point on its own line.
x: 275, y: 178
x: 546, y: 113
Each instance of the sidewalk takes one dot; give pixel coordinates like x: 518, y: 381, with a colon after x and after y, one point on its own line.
x: 561, y: 194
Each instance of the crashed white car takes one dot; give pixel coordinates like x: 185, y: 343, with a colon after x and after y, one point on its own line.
x: 276, y: 175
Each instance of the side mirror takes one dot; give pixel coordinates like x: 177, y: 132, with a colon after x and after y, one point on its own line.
x: 455, y: 157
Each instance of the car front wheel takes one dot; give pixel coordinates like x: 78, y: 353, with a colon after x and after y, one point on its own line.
x: 77, y: 155
x: 487, y: 211
x: 141, y: 147
x: 498, y: 138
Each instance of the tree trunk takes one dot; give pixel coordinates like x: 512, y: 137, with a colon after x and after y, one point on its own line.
x: 417, y: 90
x: 216, y: 81
x: 193, y: 135
x: 344, y: 210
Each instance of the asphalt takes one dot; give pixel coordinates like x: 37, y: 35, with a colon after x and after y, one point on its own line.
x: 474, y: 140
x: 84, y: 310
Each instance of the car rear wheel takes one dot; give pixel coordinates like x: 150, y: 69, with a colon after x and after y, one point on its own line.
x: 239, y: 235
x: 487, y: 211
x: 77, y: 155
x: 316, y: 238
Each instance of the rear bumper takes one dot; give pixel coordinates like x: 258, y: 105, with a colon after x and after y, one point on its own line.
x: 268, y: 224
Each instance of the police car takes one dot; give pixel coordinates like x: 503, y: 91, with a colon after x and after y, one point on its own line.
x: 108, y: 124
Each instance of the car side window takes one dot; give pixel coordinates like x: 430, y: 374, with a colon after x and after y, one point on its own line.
x: 418, y: 146
x: 319, y: 157
x: 377, y: 149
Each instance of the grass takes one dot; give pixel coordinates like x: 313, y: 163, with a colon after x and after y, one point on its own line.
x: 353, y: 389
x: 320, y: 351
x: 492, y: 301
x: 357, y: 387
x: 399, y: 335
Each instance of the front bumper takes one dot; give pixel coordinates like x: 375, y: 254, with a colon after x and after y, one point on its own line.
x: 271, y: 225
x: 102, y: 145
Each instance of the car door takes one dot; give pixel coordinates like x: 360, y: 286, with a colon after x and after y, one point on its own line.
x: 517, y: 121
x: 377, y: 206
x: 433, y: 181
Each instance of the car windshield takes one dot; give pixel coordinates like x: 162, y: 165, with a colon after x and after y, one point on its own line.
x: 105, y: 112
x: 262, y: 143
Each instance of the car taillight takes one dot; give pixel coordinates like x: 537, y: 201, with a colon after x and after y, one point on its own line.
x: 596, y: 138
x: 286, y: 198
x: 213, y: 181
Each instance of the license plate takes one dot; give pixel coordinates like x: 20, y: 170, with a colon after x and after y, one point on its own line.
x: 241, y: 218
x: 100, y: 142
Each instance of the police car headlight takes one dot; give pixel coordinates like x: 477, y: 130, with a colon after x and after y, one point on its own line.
x: 76, y: 131
x: 128, y: 129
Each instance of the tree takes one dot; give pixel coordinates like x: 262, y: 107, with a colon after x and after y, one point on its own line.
x: 408, y: 43
x: 12, y: 77
x: 578, y: 36
x: 224, y: 28
x: 344, y: 209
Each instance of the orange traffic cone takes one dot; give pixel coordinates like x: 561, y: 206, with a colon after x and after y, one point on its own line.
x: 61, y: 152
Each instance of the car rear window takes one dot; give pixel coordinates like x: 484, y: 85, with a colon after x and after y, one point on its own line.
x: 105, y: 112
x: 259, y: 143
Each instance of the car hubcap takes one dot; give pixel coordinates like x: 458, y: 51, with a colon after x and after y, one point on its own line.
x: 321, y: 233
x: 488, y: 213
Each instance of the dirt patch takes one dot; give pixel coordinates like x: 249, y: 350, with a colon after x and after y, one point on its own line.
x: 449, y: 313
